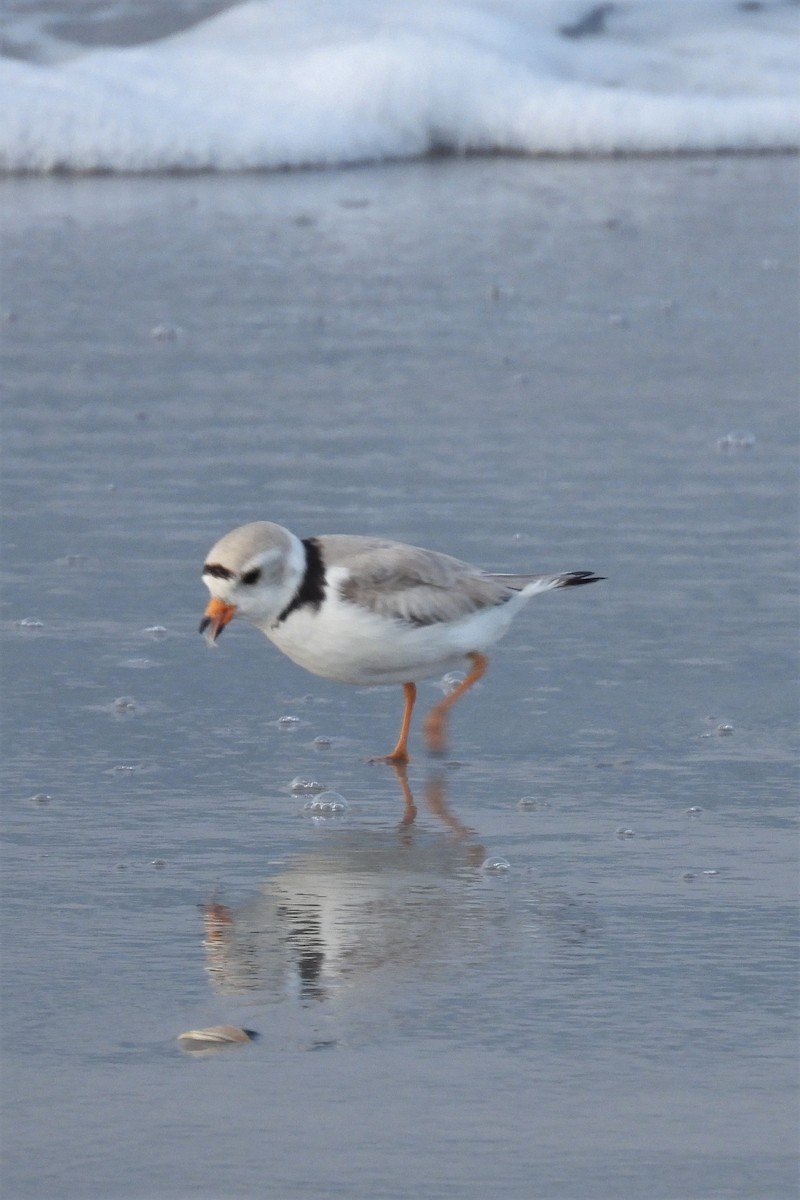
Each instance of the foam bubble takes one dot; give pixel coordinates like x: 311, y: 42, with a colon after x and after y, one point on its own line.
x: 494, y: 865
x: 327, y: 803
x: 301, y: 786
x: 737, y: 439
x: 531, y: 803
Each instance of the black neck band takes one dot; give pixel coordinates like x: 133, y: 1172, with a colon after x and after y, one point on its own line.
x: 312, y: 587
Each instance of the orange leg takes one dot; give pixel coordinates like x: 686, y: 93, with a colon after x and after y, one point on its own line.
x: 435, y: 726
x: 400, y: 752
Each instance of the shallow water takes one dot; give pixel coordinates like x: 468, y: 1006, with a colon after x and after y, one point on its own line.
x: 529, y: 365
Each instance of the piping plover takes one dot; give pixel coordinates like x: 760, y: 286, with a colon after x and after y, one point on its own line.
x: 365, y: 610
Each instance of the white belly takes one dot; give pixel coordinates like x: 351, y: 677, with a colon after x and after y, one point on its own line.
x: 344, y: 642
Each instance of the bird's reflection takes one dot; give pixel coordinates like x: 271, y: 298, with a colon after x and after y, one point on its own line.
x: 436, y: 802
x: 372, y: 902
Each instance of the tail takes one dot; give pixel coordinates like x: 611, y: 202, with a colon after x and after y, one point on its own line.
x: 530, y: 585
x: 576, y: 578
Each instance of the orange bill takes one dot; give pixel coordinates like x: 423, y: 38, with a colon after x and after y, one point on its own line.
x: 217, y: 616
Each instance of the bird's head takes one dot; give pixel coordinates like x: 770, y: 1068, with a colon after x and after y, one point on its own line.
x: 252, y: 572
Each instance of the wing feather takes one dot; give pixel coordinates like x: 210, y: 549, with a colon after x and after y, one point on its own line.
x: 423, y: 587
x: 410, y: 584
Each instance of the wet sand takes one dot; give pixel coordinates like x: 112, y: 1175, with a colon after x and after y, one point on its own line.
x: 532, y: 365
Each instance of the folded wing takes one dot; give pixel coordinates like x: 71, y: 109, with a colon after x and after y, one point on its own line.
x: 419, y: 586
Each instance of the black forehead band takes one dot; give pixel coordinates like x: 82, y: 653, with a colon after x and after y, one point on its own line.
x: 218, y: 571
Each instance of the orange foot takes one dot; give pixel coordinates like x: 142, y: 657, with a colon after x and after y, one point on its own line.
x: 396, y: 759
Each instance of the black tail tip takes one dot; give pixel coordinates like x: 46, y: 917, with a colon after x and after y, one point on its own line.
x: 576, y: 578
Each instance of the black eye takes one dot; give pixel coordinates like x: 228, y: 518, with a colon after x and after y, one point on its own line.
x: 252, y: 576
